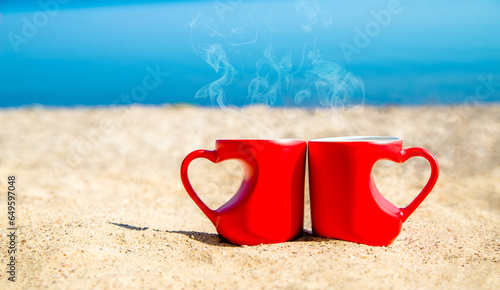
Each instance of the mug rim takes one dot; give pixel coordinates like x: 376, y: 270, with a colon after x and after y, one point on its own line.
x: 270, y: 140
x: 376, y: 139
x: 261, y: 139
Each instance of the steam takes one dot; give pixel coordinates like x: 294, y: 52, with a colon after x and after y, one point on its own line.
x: 215, y: 56
x: 238, y: 35
x: 302, y: 78
x: 334, y: 85
x: 272, y: 80
x: 313, y: 11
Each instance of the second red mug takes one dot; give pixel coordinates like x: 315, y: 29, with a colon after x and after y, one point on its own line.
x: 345, y: 203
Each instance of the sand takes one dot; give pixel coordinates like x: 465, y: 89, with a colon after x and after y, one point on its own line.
x: 100, y: 203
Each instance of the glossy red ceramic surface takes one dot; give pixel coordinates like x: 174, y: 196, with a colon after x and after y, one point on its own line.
x: 269, y: 205
x: 345, y: 203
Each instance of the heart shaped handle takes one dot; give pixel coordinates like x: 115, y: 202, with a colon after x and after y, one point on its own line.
x: 207, y: 154
x: 414, y: 152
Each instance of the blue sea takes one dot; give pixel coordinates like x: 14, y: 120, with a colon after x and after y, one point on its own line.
x: 304, y: 53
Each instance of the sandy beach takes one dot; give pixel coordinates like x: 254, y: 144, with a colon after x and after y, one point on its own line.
x: 100, y: 203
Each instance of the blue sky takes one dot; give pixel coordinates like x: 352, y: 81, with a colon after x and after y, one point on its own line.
x: 84, y: 54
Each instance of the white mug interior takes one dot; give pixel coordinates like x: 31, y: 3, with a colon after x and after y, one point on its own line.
x: 378, y: 139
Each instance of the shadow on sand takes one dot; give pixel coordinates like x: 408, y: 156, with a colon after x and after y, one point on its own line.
x: 207, y: 238
x: 215, y: 239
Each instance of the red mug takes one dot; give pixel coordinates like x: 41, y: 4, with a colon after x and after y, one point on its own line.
x: 269, y: 205
x: 345, y: 203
